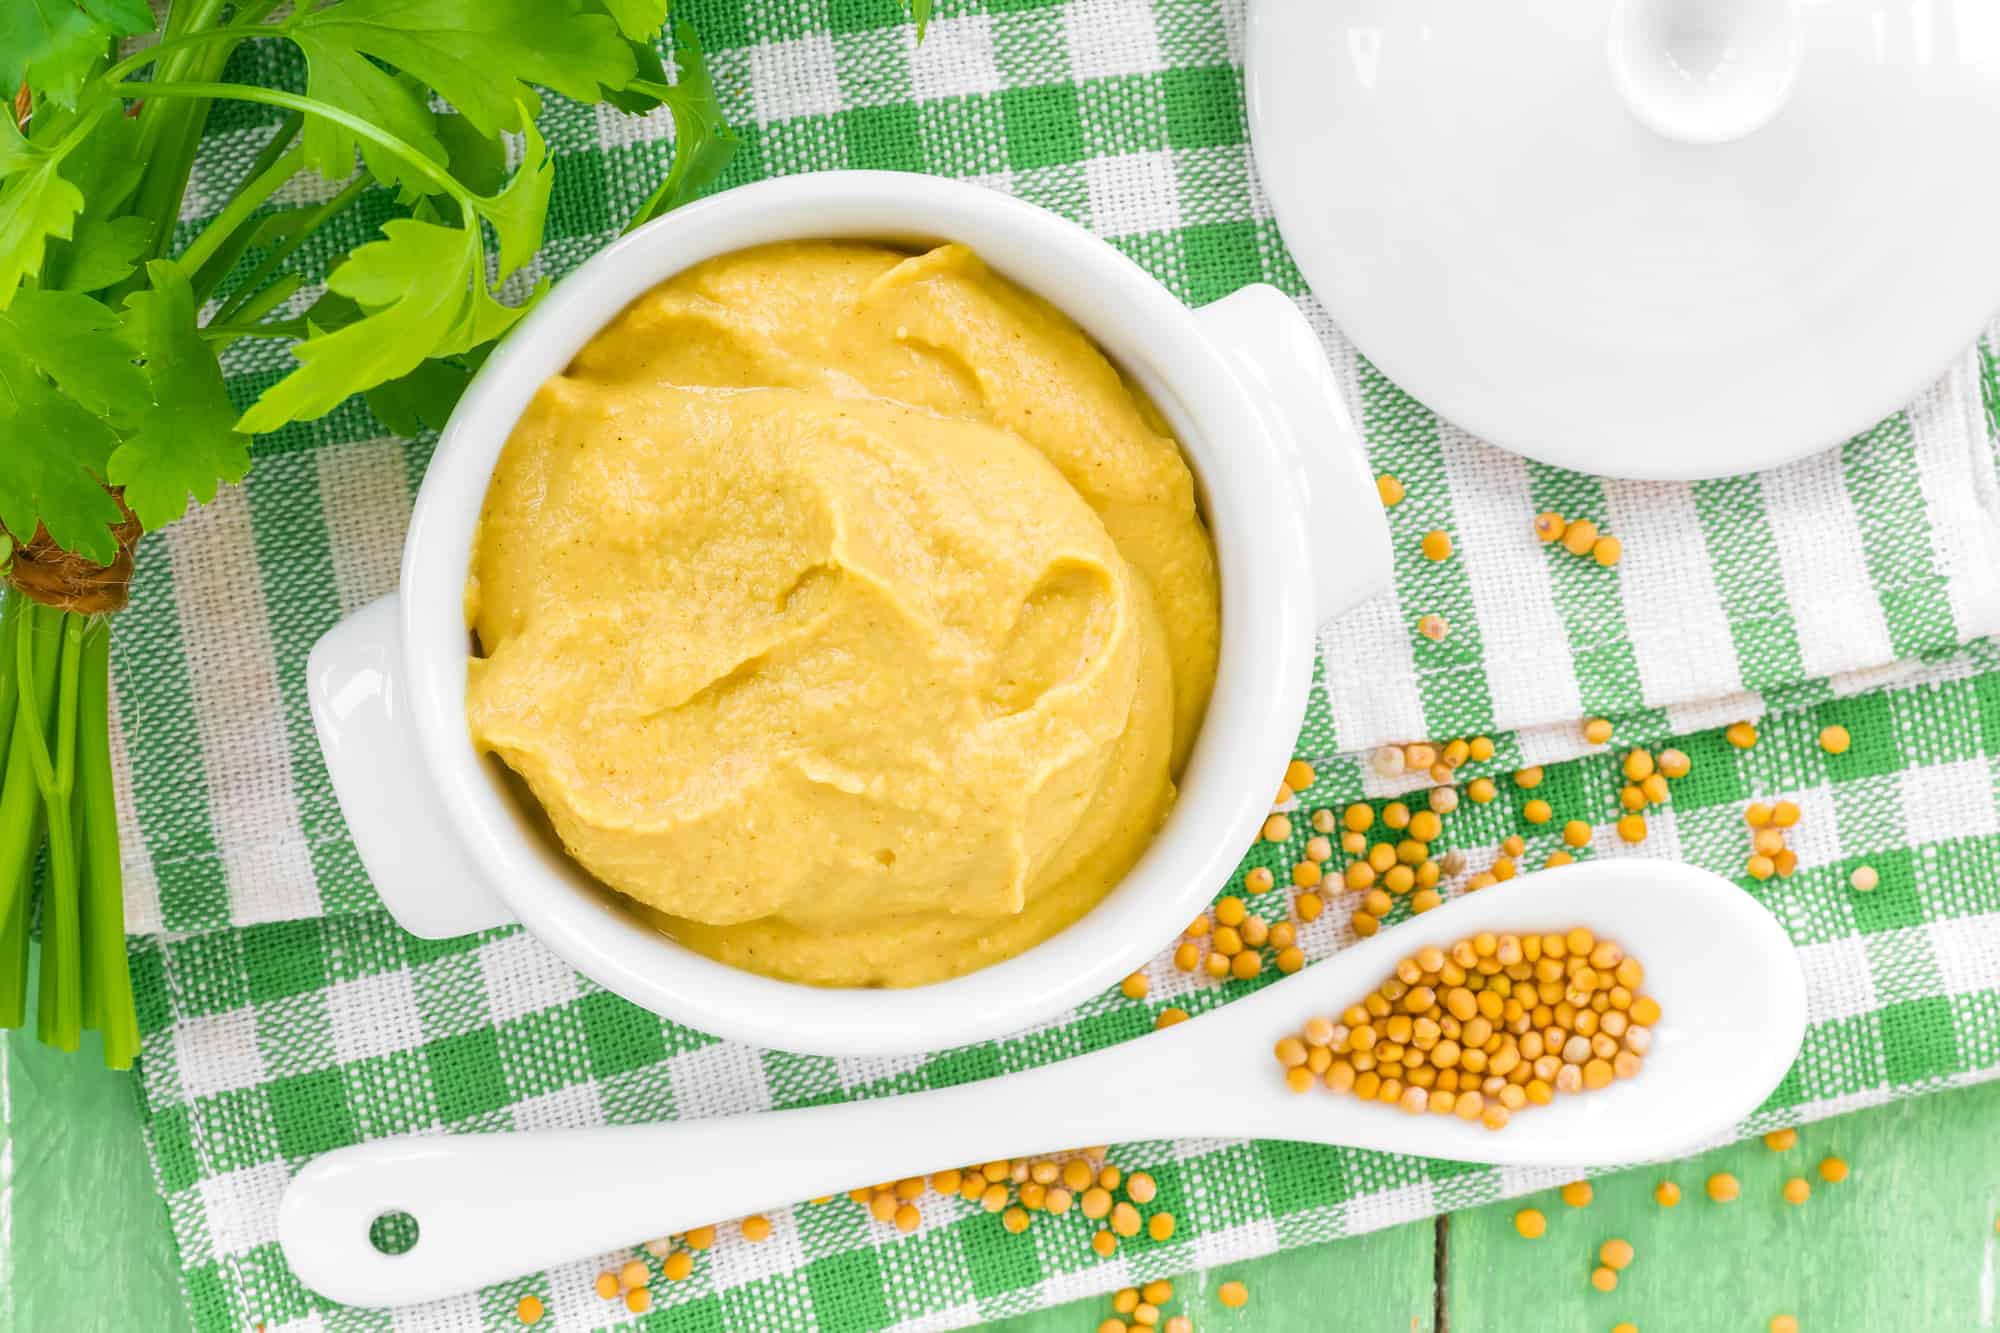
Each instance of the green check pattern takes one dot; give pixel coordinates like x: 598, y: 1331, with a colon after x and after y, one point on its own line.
x: 285, y: 1015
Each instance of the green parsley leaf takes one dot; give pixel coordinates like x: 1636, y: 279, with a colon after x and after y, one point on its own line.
x: 100, y: 253
x: 16, y: 153
x: 183, y: 441
x: 481, y: 55
x: 479, y: 161
x: 72, y: 339
x: 51, y: 44
x: 423, y: 290
x: 517, y: 212
x: 420, y: 400
x: 920, y: 10
x: 637, y: 19
x: 634, y: 99
x: 63, y: 369
x: 103, y: 246
x: 703, y: 143
x: 340, y: 75
x: 35, y: 204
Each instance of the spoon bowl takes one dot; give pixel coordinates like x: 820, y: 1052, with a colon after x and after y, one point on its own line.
x: 491, y: 1206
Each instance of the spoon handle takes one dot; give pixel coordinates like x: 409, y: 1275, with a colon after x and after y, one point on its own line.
x: 492, y: 1206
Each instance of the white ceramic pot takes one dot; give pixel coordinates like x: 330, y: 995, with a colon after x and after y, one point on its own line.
x: 1284, y: 485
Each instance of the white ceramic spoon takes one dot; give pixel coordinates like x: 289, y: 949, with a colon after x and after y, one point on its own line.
x: 492, y: 1206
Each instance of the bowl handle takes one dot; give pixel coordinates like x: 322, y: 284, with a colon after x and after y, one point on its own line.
x: 1279, y: 360
x: 400, y: 828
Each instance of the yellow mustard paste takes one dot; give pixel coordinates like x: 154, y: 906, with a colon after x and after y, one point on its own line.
x: 846, y: 609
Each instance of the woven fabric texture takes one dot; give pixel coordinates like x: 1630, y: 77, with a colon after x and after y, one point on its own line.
x: 285, y: 1015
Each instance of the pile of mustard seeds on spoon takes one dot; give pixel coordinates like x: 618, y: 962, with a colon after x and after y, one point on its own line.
x: 1492, y: 1025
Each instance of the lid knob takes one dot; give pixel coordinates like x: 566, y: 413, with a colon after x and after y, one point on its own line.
x: 1705, y: 71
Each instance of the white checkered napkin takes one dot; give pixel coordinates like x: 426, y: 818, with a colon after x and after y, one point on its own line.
x: 284, y: 1016
x: 1127, y: 117
x: 268, y: 1045
x: 1835, y: 567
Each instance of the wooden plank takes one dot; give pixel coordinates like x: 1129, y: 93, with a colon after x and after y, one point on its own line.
x: 1907, y: 1242
x: 85, y: 1235
x: 1378, y: 1283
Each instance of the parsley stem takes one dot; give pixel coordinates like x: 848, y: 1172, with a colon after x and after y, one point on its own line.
x: 243, y: 323
x: 287, y: 247
x: 170, y: 133
x: 146, y: 55
x: 238, y: 92
x: 20, y: 800
x: 59, y: 1010
x: 238, y: 210
x: 106, y: 971
x: 13, y: 896
x: 14, y: 963
x: 11, y: 603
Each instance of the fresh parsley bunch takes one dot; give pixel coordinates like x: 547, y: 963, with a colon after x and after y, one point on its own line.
x: 113, y: 410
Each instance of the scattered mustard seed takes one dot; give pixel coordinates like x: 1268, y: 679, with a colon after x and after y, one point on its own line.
x: 1723, y: 1187
x: 1597, y: 730
x: 530, y: 1310
x: 1549, y: 526
x: 1170, y: 1016
x: 1606, y: 550
x: 1797, y: 1190
x: 1832, y: 1170
x: 1666, y: 1194
x: 1781, y: 1140
x: 1437, y: 544
x: 1864, y: 879
x: 1834, y: 739
x: 1741, y: 735
x: 1434, y: 627
x: 1615, y: 1254
x: 1530, y: 1223
x: 1233, y: 1295
x: 1579, y: 536
x: 1577, y: 1194
x: 1390, y: 489
x: 1604, y: 1279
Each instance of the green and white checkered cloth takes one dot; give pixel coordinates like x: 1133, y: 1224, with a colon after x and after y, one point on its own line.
x: 285, y: 1015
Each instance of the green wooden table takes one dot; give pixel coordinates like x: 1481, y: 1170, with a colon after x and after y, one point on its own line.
x: 1907, y: 1242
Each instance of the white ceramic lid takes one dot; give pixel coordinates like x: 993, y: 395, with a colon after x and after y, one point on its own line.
x: 1643, y: 238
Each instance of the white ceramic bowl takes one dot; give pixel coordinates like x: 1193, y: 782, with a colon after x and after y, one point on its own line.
x: 1245, y: 384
